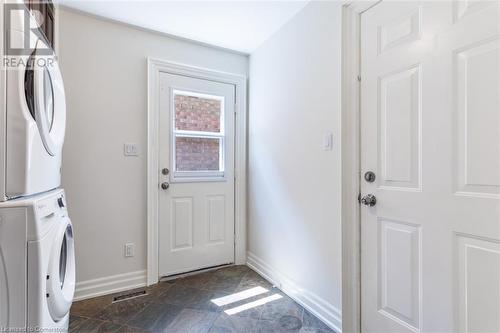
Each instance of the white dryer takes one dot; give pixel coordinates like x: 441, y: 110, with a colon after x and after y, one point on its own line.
x: 37, y: 264
x: 32, y: 119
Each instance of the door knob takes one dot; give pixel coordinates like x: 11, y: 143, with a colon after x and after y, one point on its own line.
x: 369, y: 200
x: 165, y: 186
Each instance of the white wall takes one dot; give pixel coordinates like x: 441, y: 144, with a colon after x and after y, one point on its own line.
x: 294, y: 230
x: 104, y: 70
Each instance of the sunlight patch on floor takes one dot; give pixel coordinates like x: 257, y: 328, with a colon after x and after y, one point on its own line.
x: 236, y: 297
x: 253, y: 304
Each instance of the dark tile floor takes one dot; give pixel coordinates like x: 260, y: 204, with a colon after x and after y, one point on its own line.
x: 188, y: 305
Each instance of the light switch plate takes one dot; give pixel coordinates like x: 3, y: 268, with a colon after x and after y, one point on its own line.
x: 328, y: 141
x: 130, y: 149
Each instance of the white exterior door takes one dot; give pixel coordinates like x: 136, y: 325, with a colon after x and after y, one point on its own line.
x: 430, y: 110
x: 196, y: 166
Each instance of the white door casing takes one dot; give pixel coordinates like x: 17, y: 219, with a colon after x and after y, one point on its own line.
x: 196, y: 211
x: 155, y: 68
x: 430, y: 131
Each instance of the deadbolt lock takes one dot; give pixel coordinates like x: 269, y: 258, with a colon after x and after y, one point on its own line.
x: 370, y: 176
x: 165, y: 171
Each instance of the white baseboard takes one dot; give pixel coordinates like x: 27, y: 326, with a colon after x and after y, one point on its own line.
x: 109, y: 285
x: 322, y: 309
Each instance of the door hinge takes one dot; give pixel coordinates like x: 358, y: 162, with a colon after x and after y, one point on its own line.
x: 359, y: 78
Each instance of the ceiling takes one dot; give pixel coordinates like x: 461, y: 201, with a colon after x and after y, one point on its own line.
x: 237, y: 25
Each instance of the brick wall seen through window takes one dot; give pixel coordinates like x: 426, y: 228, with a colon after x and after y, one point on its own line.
x: 197, y: 114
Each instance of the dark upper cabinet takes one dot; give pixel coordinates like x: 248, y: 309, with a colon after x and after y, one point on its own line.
x: 46, y: 8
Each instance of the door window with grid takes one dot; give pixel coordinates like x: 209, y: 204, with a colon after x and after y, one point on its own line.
x: 197, y: 136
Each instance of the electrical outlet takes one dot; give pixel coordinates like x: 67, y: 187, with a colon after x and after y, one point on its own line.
x: 130, y: 149
x: 129, y: 250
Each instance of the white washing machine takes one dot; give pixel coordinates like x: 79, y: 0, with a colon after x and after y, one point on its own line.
x: 37, y: 264
x: 32, y: 119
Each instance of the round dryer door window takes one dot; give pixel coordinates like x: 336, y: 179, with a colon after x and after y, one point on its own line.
x: 48, y: 98
x: 61, y: 273
x: 45, y: 98
x: 47, y: 112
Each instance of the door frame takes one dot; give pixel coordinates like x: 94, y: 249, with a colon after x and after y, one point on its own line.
x: 351, y: 162
x: 155, y: 67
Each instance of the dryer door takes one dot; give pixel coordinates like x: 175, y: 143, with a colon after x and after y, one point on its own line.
x: 45, y: 98
x: 61, y: 279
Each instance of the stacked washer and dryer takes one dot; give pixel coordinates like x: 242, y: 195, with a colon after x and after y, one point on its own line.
x: 37, y: 263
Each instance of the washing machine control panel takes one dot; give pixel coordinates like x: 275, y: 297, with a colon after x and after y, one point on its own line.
x: 49, y: 212
x: 51, y: 206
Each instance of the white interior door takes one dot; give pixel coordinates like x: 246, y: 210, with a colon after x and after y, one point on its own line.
x: 196, y: 149
x: 430, y: 109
